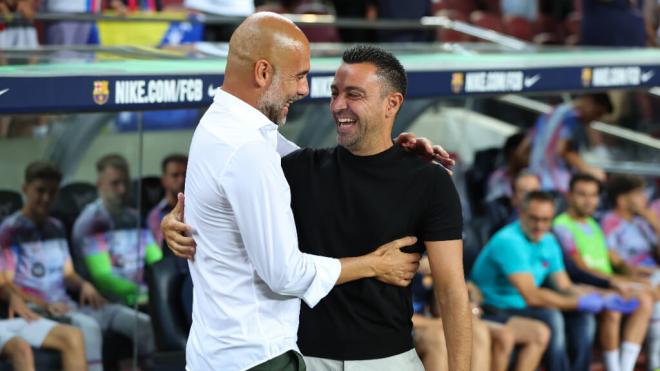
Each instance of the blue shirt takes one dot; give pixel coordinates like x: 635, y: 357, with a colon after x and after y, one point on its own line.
x: 510, y: 252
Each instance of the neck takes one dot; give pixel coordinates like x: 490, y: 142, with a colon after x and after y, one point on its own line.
x: 623, y: 213
x: 373, y: 147
x: 111, y: 209
x: 239, y: 92
x: 31, y: 215
x: 576, y: 216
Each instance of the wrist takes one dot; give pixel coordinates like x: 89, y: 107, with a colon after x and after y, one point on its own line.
x: 371, y: 265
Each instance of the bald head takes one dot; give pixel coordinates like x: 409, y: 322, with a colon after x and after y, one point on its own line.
x: 267, y: 64
x: 264, y: 36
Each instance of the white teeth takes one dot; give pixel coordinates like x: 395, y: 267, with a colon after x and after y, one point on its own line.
x: 345, y: 121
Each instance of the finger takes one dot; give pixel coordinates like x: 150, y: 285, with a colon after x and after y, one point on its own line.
x: 426, y: 145
x: 10, y: 313
x: 181, y: 198
x: 171, y: 225
x: 180, y: 240
x: 176, y: 246
x: 451, y: 173
x: 405, y: 139
x: 405, y: 241
x: 441, y: 151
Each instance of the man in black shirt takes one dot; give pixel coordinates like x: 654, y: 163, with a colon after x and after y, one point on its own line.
x: 360, y: 194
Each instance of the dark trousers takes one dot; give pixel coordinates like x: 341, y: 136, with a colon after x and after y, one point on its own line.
x: 289, y: 361
x: 572, y: 337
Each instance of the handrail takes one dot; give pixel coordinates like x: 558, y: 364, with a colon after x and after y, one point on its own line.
x: 307, y: 20
x: 617, y: 131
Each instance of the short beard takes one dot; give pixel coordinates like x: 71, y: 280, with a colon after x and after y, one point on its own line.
x: 266, y: 105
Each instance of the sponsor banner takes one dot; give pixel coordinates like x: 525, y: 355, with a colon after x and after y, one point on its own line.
x: 140, y: 92
x: 109, y: 93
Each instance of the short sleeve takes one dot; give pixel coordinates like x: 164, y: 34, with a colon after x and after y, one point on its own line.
x: 443, y: 217
x: 508, y: 256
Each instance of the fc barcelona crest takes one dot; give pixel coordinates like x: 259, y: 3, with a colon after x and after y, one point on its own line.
x: 101, y: 92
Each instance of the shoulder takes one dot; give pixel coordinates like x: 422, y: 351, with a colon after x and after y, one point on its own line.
x: 305, y: 154
x: 562, y: 220
x: 8, y: 227
x: 510, y: 236
x: 305, y: 158
x: 610, y: 222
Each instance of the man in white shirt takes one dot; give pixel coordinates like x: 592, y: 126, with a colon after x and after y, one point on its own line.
x: 248, y: 272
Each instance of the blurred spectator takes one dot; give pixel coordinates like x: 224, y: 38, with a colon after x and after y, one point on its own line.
x: 17, y: 33
x: 235, y: 8
x: 105, y: 235
x: 504, y: 210
x: 280, y: 6
x: 72, y: 32
x: 652, y: 21
x: 527, y: 9
x: 499, y: 182
x: 510, y: 270
x: 25, y: 328
x: 632, y: 230
x: 493, y: 342
x: 554, y: 141
x: 400, y: 10
x: 173, y: 180
x: 355, y: 9
x: 38, y: 266
x: 582, y: 239
x: 599, y: 16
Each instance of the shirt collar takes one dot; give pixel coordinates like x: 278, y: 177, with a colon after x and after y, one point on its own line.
x: 252, y: 117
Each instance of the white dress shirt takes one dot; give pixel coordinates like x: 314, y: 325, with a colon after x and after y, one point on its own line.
x: 248, y: 273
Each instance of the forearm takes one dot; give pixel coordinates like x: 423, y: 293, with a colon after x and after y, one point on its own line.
x: 550, y: 298
x: 73, y: 281
x: 457, y: 322
x: 574, y: 159
x: 11, y: 288
x: 355, y: 268
x: 100, y: 269
x: 117, y: 286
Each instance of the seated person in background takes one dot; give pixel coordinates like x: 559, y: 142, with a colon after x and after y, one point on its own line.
x: 510, y: 270
x: 106, y: 235
x: 501, y: 180
x: 493, y: 342
x: 582, y: 239
x: 632, y: 231
x: 554, y: 141
x: 655, y: 207
x: 504, y: 210
x: 173, y: 180
x: 17, y: 334
x: 38, y: 269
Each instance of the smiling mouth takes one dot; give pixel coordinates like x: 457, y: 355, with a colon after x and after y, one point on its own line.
x: 344, y: 124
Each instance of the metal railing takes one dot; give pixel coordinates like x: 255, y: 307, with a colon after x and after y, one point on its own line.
x: 307, y: 20
x: 631, y: 167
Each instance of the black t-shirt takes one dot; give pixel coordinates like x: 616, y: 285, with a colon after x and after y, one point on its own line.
x: 346, y: 205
